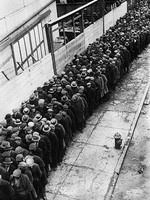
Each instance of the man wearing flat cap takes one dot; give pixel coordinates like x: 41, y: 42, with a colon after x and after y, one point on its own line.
x: 22, y: 186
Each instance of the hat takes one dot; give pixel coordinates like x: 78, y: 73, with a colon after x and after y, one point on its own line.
x: 75, y: 98
x: 32, y: 106
x: 26, y: 111
x: 41, y: 101
x: 23, y: 125
x: 51, y: 91
x: 50, y: 105
x: 83, y: 74
x: 37, y: 117
x: 30, y: 161
x: 32, y: 97
x: 63, y: 92
x: 89, y: 71
x: 25, y: 118
x: 3, y: 123
x: 54, y: 77
x: 73, y: 84
x: 58, y: 116
x: 9, y: 128
x: 36, y: 137
x: 17, y: 138
x: 64, y: 98
x: 16, y: 173
x: 39, y: 89
x: 5, y: 145
x: 68, y: 86
x: 46, y: 84
x: 64, y: 114
x: 87, y: 77
x: 30, y: 124
x: 17, y: 122
x: 29, y: 130
x: 44, y: 119
x: 88, y: 84
x: 54, y: 121
x: 19, y: 157
x: 6, y: 154
x: 50, y: 110
x: 13, y: 136
x: 22, y: 165
x: 28, y: 137
x: 81, y: 87
x: 3, y: 133
x: 15, y: 110
x: 46, y: 128
x: 51, y: 81
x: 7, y: 160
x: 15, y: 130
x: 52, y: 127
x: 65, y: 107
x: 32, y: 146
x: 59, y: 89
x: 18, y: 150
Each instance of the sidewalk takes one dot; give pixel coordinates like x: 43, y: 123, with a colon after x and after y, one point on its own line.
x: 87, y: 168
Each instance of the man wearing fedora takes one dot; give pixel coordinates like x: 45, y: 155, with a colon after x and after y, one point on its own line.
x: 8, y: 166
x: 40, y: 143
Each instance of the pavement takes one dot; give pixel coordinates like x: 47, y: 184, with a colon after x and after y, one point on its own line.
x: 134, y: 178
x: 88, y: 168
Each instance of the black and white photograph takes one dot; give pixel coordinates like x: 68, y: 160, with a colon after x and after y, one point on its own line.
x: 74, y: 99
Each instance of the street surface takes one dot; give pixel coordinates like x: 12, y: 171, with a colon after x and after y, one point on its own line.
x: 134, y: 179
x: 87, y: 169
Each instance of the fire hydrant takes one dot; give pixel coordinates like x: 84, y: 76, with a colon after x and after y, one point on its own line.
x: 118, y: 141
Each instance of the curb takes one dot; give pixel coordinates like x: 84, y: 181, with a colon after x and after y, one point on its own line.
x: 111, y: 187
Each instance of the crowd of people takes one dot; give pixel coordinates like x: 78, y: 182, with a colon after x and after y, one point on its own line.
x: 34, y: 138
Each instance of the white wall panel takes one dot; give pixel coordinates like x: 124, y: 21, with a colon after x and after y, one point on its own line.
x: 8, y: 7
x: 27, y: 2
x: 3, y: 28
x: 15, y: 19
x: 98, y: 29
x: 88, y: 32
x: 108, y: 20
x: 5, y: 54
x: 21, y: 87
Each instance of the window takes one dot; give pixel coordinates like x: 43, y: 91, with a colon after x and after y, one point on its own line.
x: 29, y: 49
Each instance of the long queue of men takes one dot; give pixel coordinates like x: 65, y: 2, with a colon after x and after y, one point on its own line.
x: 34, y: 138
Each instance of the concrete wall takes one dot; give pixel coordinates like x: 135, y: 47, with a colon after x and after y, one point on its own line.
x: 13, y: 13
x: 21, y: 87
